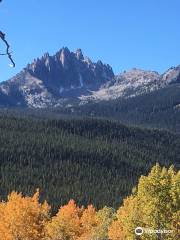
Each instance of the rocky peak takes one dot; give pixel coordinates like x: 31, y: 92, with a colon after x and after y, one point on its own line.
x: 46, y: 55
x: 64, y: 55
x: 99, y: 62
x: 68, y: 70
x: 171, y: 76
x: 51, y: 80
x: 79, y: 54
x: 138, y: 76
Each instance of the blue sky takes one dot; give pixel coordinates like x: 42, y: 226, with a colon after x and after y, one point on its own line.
x: 124, y: 33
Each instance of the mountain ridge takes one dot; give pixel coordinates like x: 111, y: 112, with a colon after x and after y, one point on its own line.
x: 50, y: 81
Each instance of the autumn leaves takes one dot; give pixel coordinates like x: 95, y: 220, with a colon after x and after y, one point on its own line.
x: 153, y: 205
x: 23, y: 218
x: 79, y: 223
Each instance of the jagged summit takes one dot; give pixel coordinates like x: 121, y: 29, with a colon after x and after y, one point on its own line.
x: 172, y: 75
x: 79, y: 54
x: 50, y: 80
x: 68, y: 69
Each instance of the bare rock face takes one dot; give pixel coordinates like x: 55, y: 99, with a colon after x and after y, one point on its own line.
x: 50, y: 81
x: 46, y: 81
x: 171, y: 76
x: 67, y: 70
x: 133, y: 83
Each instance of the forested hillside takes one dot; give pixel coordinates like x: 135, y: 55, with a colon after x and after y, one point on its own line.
x: 158, y: 109
x: 88, y: 160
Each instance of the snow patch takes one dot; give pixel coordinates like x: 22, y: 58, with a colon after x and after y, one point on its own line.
x: 61, y: 90
x: 81, y: 80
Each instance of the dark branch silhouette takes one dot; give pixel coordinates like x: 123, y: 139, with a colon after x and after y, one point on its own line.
x: 8, y: 53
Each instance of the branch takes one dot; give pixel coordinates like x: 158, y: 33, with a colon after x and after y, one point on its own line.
x: 8, y: 53
x: 2, y: 36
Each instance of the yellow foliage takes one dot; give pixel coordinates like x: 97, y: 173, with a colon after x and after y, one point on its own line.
x: 89, y: 222
x: 105, y: 218
x: 23, y: 218
x: 128, y: 217
x: 153, y: 206
x: 66, y: 224
x: 116, y: 231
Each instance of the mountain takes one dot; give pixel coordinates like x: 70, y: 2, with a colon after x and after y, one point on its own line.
x: 47, y: 81
x: 133, y: 83
x: 69, y: 78
x: 127, y: 84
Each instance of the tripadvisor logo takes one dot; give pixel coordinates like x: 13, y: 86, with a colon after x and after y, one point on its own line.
x: 139, y: 231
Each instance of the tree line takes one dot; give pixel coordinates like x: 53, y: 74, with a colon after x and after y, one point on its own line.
x: 158, y: 109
